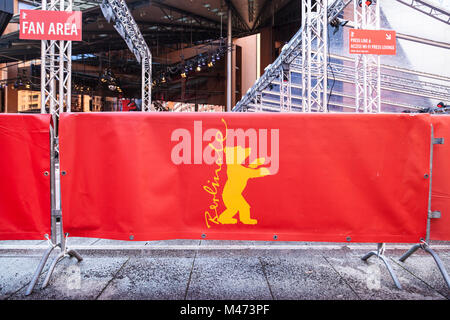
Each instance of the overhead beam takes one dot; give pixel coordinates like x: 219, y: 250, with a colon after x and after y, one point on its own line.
x: 235, y: 13
x: 428, y: 8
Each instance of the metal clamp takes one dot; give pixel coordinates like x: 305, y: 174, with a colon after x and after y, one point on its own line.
x: 56, y: 212
x: 434, y: 214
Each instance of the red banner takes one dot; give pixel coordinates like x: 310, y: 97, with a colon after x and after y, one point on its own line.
x: 440, y: 201
x: 382, y: 42
x: 50, y: 25
x: 302, y: 177
x: 24, y: 186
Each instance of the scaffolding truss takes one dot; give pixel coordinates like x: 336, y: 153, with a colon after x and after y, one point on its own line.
x: 288, y: 54
x: 429, y: 9
x: 314, y: 53
x: 117, y: 13
x: 56, y: 69
x: 395, y: 80
x: 298, y: 71
x: 367, y: 66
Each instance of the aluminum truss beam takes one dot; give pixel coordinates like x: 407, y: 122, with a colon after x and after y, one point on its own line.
x: 314, y: 53
x: 289, y: 52
x: 117, y: 12
x: 429, y: 9
x: 367, y: 66
x: 56, y: 69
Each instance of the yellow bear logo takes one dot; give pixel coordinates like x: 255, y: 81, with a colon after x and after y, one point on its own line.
x: 238, y: 176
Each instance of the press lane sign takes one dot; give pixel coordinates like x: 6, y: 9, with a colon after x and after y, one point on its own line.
x: 381, y: 42
x: 50, y: 25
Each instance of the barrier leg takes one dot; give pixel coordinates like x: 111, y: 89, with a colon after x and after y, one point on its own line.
x: 64, y: 253
x: 38, y: 271
x: 439, y: 264
x: 52, y: 267
x: 409, y: 252
x: 391, y: 272
x: 61, y: 256
x: 367, y: 256
x: 424, y: 246
x: 73, y: 253
x: 380, y: 254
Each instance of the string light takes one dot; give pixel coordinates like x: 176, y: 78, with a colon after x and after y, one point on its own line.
x: 203, y: 60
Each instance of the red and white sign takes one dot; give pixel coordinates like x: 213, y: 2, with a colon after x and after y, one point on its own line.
x: 50, y: 25
x: 382, y: 42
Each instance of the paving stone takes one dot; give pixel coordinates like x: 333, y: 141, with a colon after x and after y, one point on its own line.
x: 227, y: 275
x: 15, y: 273
x: 304, y: 275
x: 160, y: 277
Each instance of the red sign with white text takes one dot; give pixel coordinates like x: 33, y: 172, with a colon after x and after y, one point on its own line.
x: 382, y: 42
x: 50, y: 25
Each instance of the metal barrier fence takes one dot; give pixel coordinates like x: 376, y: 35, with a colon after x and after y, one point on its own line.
x: 24, y: 177
x: 279, y: 177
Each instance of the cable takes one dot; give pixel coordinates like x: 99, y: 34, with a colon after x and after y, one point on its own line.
x: 332, y: 72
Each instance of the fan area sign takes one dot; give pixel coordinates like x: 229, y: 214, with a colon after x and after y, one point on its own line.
x: 50, y: 25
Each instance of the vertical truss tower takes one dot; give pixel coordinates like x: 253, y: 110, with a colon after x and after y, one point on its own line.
x: 314, y: 54
x: 56, y: 69
x: 367, y: 67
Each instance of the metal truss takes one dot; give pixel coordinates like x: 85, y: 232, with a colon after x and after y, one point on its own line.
x: 117, y: 12
x: 394, y: 79
x: 285, y: 88
x: 289, y: 52
x: 314, y: 53
x: 395, y: 83
x: 56, y: 70
x: 367, y: 67
x: 429, y: 9
x: 365, y: 75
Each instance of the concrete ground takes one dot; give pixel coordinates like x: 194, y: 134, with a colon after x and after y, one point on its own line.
x: 232, y: 270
